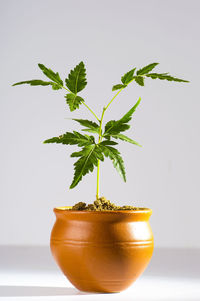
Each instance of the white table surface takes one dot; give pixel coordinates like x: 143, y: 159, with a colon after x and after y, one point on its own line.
x: 29, y: 273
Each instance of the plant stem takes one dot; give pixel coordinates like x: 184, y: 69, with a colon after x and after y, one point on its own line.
x: 84, y: 105
x: 114, y: 97
x: 90, y: 110
x: 100, y: 128
x: 98, y: 170
x: 99, y: 140
x: 100, y: 135
x: 118, y: 93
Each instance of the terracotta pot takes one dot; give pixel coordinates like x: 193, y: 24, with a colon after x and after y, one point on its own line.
x: 102, y: 251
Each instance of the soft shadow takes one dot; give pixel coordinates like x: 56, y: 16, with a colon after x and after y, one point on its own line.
x: 28, y: 291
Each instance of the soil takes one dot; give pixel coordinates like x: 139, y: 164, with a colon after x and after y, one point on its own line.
x: 102, y: 204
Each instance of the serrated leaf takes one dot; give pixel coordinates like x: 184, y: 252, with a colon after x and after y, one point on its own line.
x: 76, y: 80
x: 114, y: 127
x: 90, y: 125
x: 118, y: 87
x: 34, y: 82
x: 84, y: 152
x: 56, y: 86
x: 139, y: 80
x: 116, y: 158
x: 128, y: 77
x: 147, y: 69
x: 51, y: 74
x: 125, y: 138
x: 73, y: 101
x: 38, y: 82
x: 89, y: 157
x: 127, y: 117
x: 90, y: 131
x: 165, y: 76
x: 74, y: 138
x: 108, y: 142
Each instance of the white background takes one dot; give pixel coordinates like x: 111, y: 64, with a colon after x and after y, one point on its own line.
x: 111, y: 37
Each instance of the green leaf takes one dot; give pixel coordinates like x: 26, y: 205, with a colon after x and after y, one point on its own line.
x: 55, y: 77
x: 73, y: 101
x: 89, y: 156
x: 128, y: 77
x: 56, y: 86
x: 118, y: 87
x: 108, y: 142
x: 114, y: 127
x: 90, y: 130
x: 125, y: 138
x: 82, y: 153
x: 34, y: 82
x: 147, y: 69
x: 116, y: 158
x: 90, y: 125
x: 165, y: 76
x: 76, y: 80
x: 38, y: 82
x: 139, y: 80
x: 74, y: 138
x: 127, y: 117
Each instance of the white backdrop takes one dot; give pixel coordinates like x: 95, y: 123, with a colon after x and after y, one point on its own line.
x: 111, y: 37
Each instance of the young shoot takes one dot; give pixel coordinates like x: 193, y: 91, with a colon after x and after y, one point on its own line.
x: 95, y: 149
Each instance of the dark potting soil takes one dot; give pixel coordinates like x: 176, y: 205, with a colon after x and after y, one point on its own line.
x: 102, y: 204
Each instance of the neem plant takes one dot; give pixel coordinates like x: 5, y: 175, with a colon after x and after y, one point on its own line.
x: 94, y: 150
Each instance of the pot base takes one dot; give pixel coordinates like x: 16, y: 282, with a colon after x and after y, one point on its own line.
x: 105, y: 287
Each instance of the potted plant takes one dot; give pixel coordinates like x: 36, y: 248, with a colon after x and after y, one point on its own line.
x: 100, y: 247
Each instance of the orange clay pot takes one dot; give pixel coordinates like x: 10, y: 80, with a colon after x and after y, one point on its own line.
x: 102, y: 251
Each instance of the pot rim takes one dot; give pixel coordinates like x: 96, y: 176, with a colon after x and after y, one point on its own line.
x: 140, y: 210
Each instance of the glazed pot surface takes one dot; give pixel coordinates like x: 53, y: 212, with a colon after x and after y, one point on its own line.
x: 102, y: 251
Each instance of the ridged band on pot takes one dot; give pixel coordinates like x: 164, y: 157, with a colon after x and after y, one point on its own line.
x: 102, y: 251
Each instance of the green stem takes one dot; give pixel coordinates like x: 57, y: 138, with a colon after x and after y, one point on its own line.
x: 84, y: 105
x: 66, y: 89
x: 100, y: 135
x: 100, y: 128
x: 98, y: 170
x: 90, y: 110
x: 99, y: 140
x: 118, y: 93
x: 114, y: 98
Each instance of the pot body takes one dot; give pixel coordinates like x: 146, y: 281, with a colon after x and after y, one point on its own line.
x: 102, y: 251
